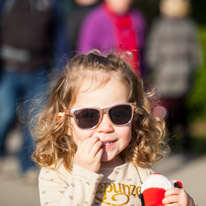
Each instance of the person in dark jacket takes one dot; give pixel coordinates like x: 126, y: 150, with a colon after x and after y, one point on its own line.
x: 32, y: 39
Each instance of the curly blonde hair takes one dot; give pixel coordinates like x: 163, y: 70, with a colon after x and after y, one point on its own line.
x: 51, y: 134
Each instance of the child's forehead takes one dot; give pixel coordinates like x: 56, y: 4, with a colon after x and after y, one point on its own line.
x: 98, y: 84
x: 96, y: 93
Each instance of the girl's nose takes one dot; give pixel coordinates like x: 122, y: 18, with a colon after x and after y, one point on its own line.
x: 105, y: 124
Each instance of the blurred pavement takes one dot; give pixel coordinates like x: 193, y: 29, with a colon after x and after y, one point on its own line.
x: 15, y: 191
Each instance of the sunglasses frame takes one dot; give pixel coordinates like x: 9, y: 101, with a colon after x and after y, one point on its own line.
x: 102, y: 111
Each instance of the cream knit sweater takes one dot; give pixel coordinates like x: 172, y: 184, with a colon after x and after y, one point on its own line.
x: 112, y: 186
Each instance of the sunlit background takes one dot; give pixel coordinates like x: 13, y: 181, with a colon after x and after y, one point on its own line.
x: 19, y: 190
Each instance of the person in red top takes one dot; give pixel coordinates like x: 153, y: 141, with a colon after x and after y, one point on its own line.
x: 114, y: 26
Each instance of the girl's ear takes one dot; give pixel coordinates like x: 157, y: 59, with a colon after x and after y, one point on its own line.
x: 60, y: 115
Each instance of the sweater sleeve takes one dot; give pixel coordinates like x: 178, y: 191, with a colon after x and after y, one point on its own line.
x: 63, y: 189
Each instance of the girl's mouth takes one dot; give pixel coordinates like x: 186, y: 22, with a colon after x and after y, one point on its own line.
x: 107, y: 145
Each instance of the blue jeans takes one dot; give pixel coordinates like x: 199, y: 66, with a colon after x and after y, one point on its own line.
x: 15, y: 87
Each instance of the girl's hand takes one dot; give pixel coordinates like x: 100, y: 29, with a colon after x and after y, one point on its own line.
x: 177, y: 197
x: 89, y: 153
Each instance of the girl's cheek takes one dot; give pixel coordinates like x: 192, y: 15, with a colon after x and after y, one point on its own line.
x: 81, y: 135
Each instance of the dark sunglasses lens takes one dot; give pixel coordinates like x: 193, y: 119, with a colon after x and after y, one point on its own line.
x: 87, y: 118
x: 121, y: 114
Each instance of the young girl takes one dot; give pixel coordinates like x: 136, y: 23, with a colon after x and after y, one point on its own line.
x: 96, y: 138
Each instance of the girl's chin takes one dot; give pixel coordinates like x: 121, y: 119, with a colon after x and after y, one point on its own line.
x: 110, y: 161
x: 105, y: 158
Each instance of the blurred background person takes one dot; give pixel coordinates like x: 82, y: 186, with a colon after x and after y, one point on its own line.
x: 32, y: 38
x: 114, y: 26
x: 75, y: 18
x: 173, y: 55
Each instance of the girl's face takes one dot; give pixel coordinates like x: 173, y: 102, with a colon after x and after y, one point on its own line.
x: 115, y: 138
